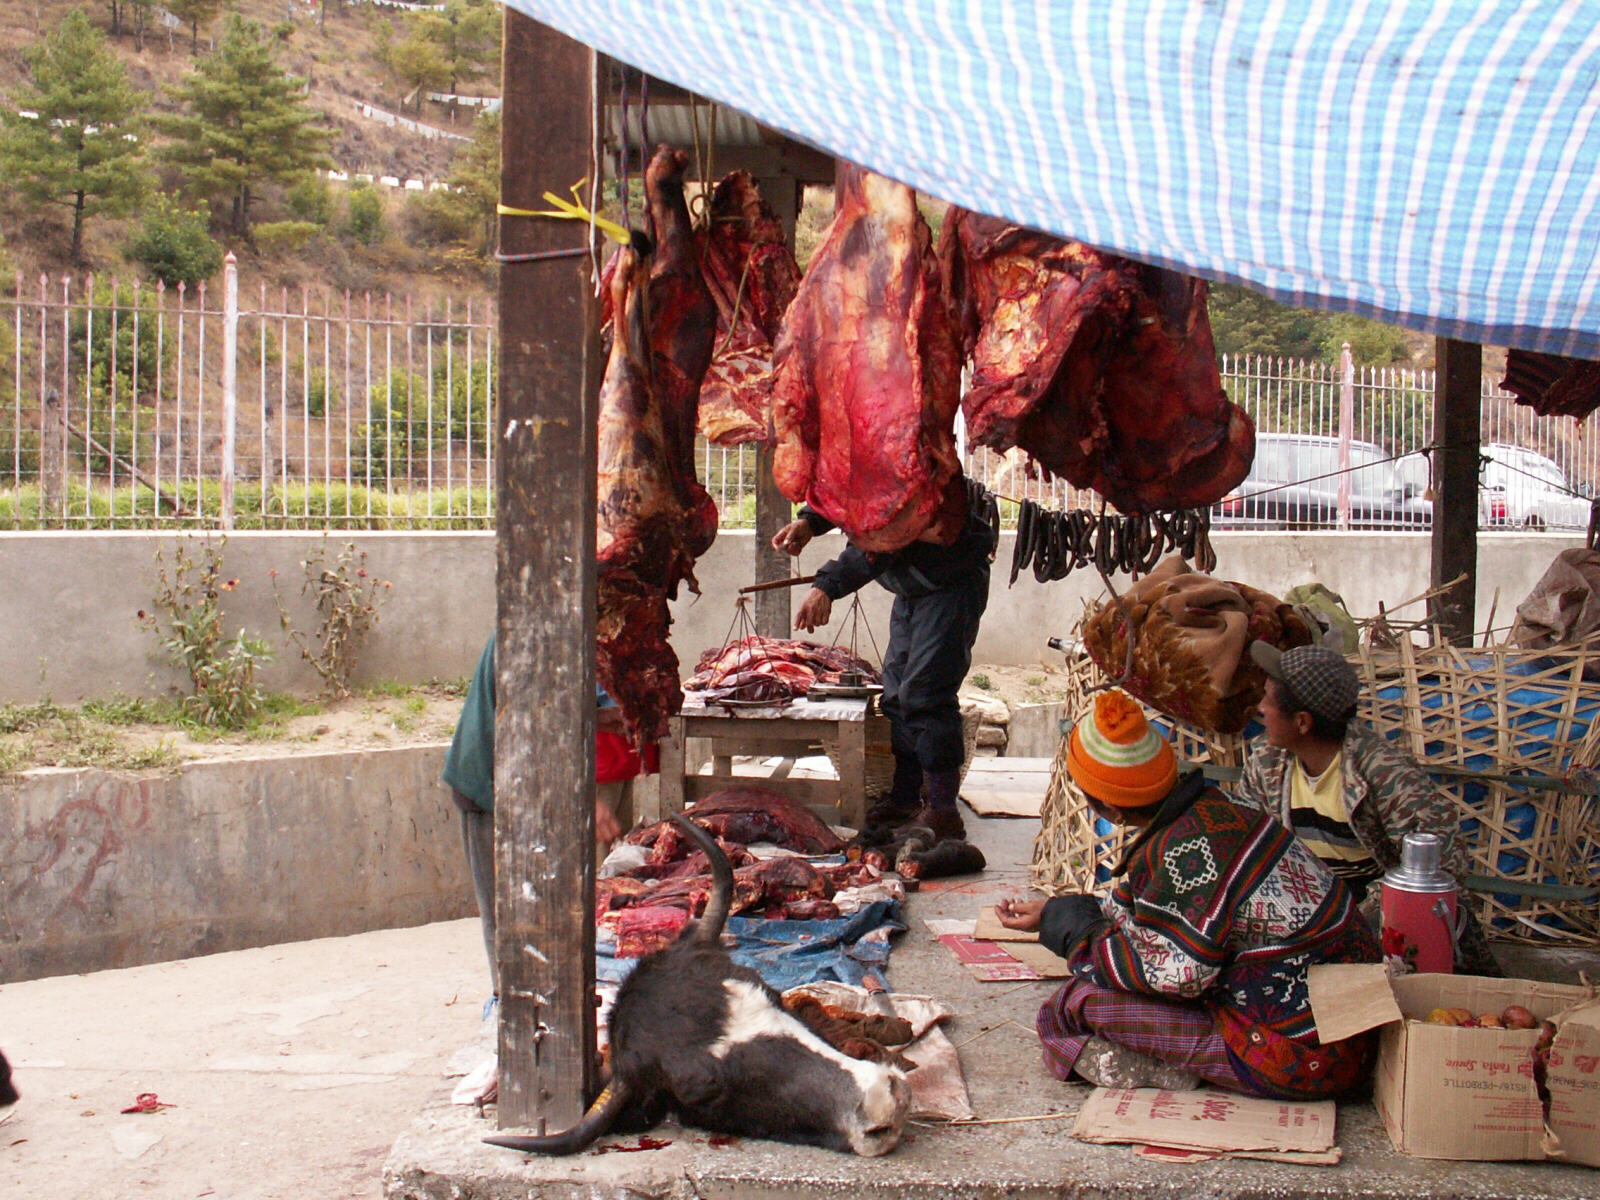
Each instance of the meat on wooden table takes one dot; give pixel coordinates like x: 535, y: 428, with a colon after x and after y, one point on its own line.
x: 1101, y: 368
x: 867, y: 376
x: 654, y: 517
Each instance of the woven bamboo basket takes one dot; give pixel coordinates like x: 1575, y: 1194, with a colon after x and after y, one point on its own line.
x: 1500, y: 711
x: 1503, y: 710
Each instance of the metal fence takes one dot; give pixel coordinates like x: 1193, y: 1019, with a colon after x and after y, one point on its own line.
x: 263, y: 407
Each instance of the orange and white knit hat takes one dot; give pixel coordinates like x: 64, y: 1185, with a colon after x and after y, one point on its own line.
x: 1117, y: 758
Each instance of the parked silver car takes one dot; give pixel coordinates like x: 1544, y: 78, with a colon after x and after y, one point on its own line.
x: 1294, y: 484
x: 1522, y: 489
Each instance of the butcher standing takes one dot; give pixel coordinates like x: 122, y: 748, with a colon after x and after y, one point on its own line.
x: 940, y: 594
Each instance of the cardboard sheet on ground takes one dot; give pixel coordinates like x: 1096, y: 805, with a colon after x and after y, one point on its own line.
x: 1006, y: 787
x: 987, y: 928
x: 994, y: 962
x: 1210, y: 1122
x: 938, y: 1087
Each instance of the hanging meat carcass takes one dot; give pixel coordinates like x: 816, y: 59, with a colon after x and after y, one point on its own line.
x: 654, y: 518
x: 867, y: 376
x: 753, y: 277
x: 1101, y: 368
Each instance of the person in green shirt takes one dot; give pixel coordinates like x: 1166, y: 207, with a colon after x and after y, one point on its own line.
x: 469, y: 773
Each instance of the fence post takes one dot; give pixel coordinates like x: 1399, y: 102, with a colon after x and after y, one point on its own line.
x: 230, y: 380
x: 1347, y: 404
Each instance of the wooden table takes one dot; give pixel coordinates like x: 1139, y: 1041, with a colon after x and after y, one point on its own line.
x: 787, y: 732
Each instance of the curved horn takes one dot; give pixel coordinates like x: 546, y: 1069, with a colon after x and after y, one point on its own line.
x: 709, y: 929
x: 593, y: 1124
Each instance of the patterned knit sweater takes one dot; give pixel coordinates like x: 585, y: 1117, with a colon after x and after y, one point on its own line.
x: 1221, y: 905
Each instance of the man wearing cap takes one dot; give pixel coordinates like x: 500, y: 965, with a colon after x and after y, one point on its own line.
x: 1347, y: 792
x: 1195, y: 966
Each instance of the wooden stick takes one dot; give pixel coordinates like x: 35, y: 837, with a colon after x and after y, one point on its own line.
x: 770, y: 584
x: 139, y: 477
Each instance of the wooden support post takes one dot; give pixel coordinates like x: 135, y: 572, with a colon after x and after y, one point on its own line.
x: 1457, y: 410
x: 550, y: 368
x: 772, y: 506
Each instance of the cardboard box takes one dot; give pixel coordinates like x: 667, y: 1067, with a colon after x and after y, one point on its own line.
x: 1445, y: 1091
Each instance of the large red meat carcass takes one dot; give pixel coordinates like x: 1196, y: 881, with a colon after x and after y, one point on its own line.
x: 753, y: 276
x: 1101, y: 368
x: 867, y: 376
x: 654, y: 518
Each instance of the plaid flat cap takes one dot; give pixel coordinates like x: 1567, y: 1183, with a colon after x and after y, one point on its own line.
x: 1320, y: 678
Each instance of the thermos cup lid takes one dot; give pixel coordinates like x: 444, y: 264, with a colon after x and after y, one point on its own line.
x: 1419, y: 870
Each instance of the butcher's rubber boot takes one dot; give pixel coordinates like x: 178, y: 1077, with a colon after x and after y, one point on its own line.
x: 901, y: 803
x: 1110, y: 1065
x: 941, y: 815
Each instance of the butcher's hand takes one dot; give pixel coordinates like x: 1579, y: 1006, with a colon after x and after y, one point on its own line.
x: 792, y: 538
x: 1020, y: 914
x: 607, y: 828
x: 815, y: 610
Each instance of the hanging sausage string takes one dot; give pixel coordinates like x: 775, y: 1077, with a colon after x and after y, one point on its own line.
x: 1055, y: 543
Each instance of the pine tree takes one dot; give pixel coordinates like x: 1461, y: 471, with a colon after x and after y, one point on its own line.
x: 467, y: 33
x: 71, y: 137
x: 243, y: 123
x: 194, y: 13
x: 475, y: 175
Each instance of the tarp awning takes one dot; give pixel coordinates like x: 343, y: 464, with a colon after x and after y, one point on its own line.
x: 1428, y: 162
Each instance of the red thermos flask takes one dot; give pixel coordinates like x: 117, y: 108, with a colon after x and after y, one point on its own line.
x: 1419, y: 909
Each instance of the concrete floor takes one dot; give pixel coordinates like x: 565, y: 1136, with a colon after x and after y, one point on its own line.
x: 297, y: 1071
x: 1031, y: 1154
x: 291, y: 1069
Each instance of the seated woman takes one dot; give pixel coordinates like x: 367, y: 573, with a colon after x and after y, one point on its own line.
x: 1194, y: 968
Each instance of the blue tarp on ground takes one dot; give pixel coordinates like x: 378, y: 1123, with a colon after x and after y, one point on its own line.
x: 1428, y: 162
x: 789, y: 953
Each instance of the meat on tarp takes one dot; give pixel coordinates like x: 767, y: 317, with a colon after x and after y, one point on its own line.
x: 640, y: 914
x: 744, y: 815
x: 867, y: 376
x: 753, y: 276
x: 1101, y: 368
x: 764, y: 668
x: 654, y: 517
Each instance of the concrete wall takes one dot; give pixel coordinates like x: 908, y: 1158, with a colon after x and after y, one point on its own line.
x: 100, y: 871
x: 69, y: 601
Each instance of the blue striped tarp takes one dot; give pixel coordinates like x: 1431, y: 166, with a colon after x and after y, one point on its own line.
x: 1428, y: 162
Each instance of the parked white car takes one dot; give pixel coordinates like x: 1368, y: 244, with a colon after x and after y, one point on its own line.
x: 1521, y: 489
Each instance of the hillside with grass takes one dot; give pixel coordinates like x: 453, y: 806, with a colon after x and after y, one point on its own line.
x: 306, y: 231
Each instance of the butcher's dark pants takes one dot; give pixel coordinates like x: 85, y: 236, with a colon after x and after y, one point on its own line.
x: 930, y: 650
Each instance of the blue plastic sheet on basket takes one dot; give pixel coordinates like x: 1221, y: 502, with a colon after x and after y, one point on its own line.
x: 789, y: 953
x: 1531, y: 729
